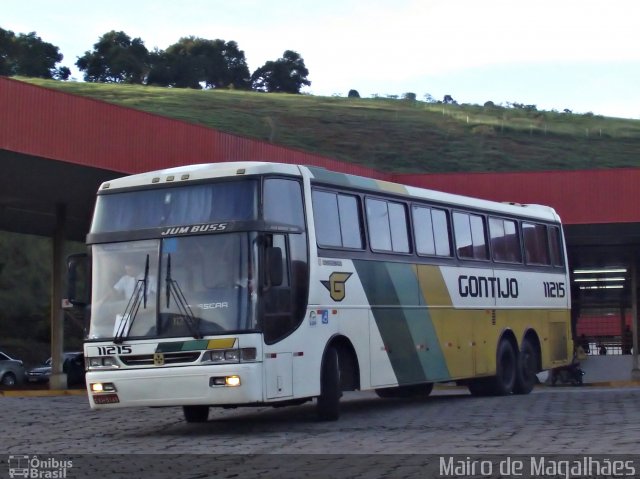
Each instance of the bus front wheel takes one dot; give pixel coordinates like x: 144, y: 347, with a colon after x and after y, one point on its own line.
x: 328, y: 405
x: 196, y: 413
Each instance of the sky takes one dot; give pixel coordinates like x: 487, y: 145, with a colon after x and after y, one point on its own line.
x: 581, y: 55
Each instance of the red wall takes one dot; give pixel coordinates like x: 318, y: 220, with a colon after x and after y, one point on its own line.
x: 579, y: 197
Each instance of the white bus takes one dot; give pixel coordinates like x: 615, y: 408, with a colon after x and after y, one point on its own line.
x: 250, y: 283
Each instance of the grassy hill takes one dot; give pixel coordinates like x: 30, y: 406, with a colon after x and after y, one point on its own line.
x: 391, y: 134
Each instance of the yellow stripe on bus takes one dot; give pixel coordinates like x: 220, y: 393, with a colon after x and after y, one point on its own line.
x: 223, y: 343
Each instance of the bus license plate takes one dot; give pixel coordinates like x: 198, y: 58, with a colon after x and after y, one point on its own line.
x: 106, y: 399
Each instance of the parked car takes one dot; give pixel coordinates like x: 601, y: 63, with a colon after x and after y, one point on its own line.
x: 73, y: 366
x: 11, y: 370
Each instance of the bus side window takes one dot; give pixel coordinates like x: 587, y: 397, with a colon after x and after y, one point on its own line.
x: 431, y: 231
x: 536, y: 243
x: 283, y: 202
x: 505, y: 243
x: 470, y: 237
x: 337, y: 220
x: 388, y: 226
x: 555, y: 245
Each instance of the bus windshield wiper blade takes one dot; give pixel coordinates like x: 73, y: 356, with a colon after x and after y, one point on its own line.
x: 138, y: 296
x: 173, y: 289
x: 145, y: 281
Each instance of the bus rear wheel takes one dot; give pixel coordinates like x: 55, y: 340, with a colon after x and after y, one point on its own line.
x: 527, y: 368
x: 328, y: 405
x: 506, y: 369
x: 196, y: 413
x: 503, y: 383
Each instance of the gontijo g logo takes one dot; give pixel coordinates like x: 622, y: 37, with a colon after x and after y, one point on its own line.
x: 336, y: 285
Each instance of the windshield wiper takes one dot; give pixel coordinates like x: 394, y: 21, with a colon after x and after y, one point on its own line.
x: 173, y: 289
x: 138, y: 296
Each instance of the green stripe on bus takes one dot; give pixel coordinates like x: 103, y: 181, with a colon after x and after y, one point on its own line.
x: 194, y: 345
x: 406, y: 329
x: 341, y: 179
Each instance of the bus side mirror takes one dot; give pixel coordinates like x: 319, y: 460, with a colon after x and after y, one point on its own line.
x: 274, y: 266
x: 78, y: 279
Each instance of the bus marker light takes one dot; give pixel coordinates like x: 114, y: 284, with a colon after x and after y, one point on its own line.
x: 103, y: 387
x: 224, y: 381
x: 233, y: 380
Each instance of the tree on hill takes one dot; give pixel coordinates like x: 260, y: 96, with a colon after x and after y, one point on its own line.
x: 193, y: 62
x: 29, y: 55
x: 285, y: 75
x: 116, y: 58
x: 448, y: 99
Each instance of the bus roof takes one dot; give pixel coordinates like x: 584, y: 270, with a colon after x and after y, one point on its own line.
x: 180, y: 174
x: 202, y: 171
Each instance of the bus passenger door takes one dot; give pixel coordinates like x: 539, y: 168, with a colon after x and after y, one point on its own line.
x: 278, y: 375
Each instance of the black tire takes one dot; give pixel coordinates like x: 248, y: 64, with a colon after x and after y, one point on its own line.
x: 328, y: 403
x: 386, y: 393
x: 503, y: 383
x: 480, y: 386
x: 196, y: 413
x: 506, y: 369
x: 527, y: 368
x: 9, y: 379
x: 420, y: 390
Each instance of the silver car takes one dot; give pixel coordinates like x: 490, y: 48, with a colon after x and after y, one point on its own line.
x: 11, y: 370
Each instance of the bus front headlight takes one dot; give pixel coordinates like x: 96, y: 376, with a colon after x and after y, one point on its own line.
x: 226, y: 356
x: 101, y: 362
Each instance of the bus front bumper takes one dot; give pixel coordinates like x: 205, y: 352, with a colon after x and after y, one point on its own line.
x: 175, y: 386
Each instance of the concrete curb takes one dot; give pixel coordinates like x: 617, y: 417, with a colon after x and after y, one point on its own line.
x: 42, y: 392
x: 615, y: 384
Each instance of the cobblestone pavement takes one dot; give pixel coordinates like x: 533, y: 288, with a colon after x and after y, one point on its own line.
x: 584, y: 421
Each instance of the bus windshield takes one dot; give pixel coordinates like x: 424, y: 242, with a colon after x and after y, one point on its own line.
x: 183, y: 205
x: 174, y: 287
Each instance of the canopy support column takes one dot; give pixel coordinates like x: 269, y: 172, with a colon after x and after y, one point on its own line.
x: 58, y: 378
